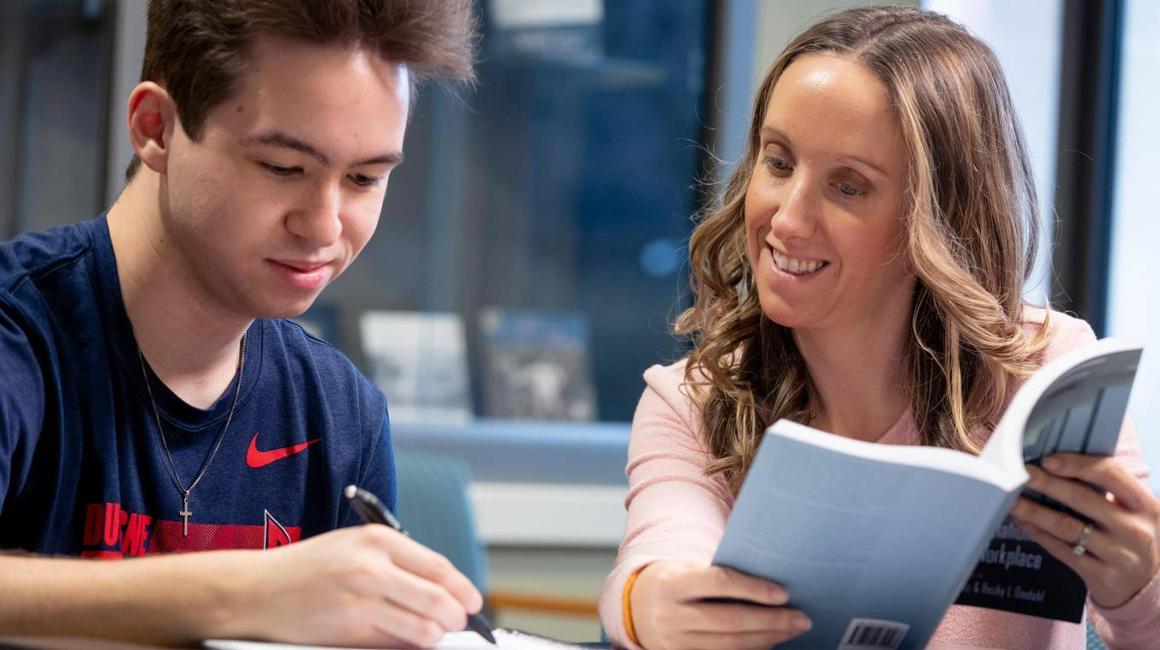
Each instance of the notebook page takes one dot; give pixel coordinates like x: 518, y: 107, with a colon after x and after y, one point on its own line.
x: 506, y: 640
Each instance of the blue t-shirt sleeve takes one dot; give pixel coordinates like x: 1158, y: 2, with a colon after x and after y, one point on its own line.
x: 21, y: 404
x: 378, y: 471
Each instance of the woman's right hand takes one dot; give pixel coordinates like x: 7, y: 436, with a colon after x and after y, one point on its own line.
x: 677, y: 605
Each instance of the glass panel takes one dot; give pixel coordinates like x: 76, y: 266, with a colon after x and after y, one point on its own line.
x: 53, y: 101
x: 547, y: 208
x: 1133, y: 292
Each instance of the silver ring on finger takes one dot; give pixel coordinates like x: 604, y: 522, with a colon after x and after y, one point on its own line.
x: 1081, y: 546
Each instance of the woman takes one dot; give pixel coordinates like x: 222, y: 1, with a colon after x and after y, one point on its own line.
x: 864, y: 274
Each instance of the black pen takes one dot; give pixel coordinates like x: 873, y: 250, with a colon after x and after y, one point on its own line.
x: 373, y: 511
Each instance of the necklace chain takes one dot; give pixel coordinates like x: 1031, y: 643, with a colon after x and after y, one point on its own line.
x: 177, y: 482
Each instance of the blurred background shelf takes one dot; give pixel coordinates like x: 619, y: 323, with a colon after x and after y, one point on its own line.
x: 536, y: 483
x: 527, y: 451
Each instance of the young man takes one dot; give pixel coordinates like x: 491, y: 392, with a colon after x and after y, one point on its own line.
x: 151, y: 399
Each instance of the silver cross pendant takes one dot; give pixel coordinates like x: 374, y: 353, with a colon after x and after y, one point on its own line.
x: 185, y: 514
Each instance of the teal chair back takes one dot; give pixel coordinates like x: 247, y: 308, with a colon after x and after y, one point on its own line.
x: 1093, y: 639
x: 433, y: 505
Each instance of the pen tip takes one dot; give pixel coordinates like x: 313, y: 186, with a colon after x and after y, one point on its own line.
x: 480, y: 626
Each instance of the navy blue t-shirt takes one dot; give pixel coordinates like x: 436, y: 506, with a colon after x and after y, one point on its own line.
x: 82, y: 467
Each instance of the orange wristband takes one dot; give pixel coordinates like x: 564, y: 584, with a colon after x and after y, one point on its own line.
x: 626, y: 604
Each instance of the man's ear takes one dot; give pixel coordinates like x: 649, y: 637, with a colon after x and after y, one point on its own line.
x: 152, y: 123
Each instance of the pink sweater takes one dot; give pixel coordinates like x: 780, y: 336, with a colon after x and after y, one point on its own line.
x: 676, y: 512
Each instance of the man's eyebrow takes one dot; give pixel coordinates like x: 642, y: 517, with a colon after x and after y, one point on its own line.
x: 279, y: 139
x: 392, y: 159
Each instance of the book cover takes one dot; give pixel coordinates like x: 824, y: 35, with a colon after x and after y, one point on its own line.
x: 1081, y: 412
x: 862, y: 535
x: 419, y: 361
x: 536, y: 365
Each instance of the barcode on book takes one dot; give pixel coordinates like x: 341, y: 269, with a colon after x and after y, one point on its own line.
x: 873, y: 634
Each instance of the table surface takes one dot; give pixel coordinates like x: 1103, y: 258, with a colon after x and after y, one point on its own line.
x: 74, y: 643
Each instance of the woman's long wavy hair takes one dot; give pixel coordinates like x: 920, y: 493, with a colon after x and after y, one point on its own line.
x: 971, y: 231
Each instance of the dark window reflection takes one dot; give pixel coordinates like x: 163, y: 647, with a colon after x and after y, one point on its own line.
x: 54, y: 71
x: 562, y: 185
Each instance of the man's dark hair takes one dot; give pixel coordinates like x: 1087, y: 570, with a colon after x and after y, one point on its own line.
x: 197, y: 49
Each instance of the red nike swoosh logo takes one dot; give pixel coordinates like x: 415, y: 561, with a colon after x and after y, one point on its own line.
x: 256, y: 458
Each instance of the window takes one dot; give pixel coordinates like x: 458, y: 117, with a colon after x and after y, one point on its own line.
x: 1133, y: 293
x: 53, y: 99
x: 547, y: 207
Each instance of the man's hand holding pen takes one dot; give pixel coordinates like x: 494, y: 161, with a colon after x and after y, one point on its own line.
x: 363, y: 586
x: 372, y: 511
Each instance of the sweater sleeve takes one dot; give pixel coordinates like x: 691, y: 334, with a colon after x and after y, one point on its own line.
x: 675, y: 511
x: 1136, y: 623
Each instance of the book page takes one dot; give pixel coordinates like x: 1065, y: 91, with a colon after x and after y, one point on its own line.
x: 1074, y: 404
x: 1083, y: 409
x: 937, y: 459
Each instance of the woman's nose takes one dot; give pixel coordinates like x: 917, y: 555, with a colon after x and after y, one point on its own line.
x: 796, y: 215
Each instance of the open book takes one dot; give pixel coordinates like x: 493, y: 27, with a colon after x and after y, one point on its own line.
x: 874, y: 542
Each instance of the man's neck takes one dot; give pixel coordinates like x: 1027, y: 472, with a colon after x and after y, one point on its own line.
x: 189, y: 342
x: 859, y: 375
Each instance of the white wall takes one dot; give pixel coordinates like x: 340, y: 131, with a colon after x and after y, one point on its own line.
x: 778, y: 21
x: 1134, y: 276
x: 1026, y: 37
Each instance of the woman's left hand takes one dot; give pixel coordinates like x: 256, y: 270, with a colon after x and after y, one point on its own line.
x: 1120, y: 552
